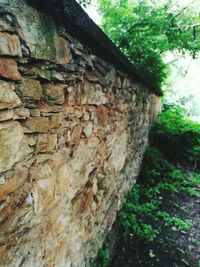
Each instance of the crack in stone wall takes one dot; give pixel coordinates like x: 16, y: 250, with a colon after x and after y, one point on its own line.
x: 73, y: 129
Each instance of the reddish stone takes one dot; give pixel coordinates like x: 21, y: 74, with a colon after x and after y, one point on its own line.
x: 3, y: 255
x: 8, y: 69
x: 102, y: 115
x: 88, y: 198
x: 8, y: 97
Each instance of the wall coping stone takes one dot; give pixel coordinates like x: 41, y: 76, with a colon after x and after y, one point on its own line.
x: 76, y: 21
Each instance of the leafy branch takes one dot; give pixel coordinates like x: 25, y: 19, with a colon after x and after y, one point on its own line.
x: 146, y: 29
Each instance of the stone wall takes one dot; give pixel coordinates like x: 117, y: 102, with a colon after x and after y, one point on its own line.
x: 73, y: 129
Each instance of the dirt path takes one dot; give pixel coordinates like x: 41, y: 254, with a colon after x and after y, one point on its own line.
x: 172, y: 248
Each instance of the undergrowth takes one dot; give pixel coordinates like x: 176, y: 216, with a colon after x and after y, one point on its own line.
x: 141, y: 214
x: 175, y: 142
x: 177, y: 137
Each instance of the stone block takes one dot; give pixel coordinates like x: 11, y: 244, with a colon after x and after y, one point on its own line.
x: 8, y: 98
x: 6, y: 114
x: 21, y: 113
x: 31, y: 89
x: 102, y: 115
x: 13, y: 183
x: 119, y: 153
x: 54, y: 93
x: 49, y: 109
x: 92, y: 94
x: 36, y: 125
x: 83, y: 161
x: 43, y: 73
x: 82, y: 200
x: 10, y: 45
x: 78, y: 113
x: 86, y: 116
x: 76, y: 133
x: 2, y: 180
x: 69, y: 110
x: 12, y: 145
x: 38, y: 32
x: 65, y: 177
x: 40, y: 171
x: 46, y: 142
x: 72, y: 98
x: 63, y: 55
x: 88, y: 129
x: 8, y: 69
x: 35, y: 112
x: 6, y: 24
x: 55, y: 120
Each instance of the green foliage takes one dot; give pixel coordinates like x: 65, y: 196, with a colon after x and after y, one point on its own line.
x: 145, y: 29
x: 142, y: 212
x: 102, y: 258
x: 159, y: 166
x: 132, y: 215
x: 177, y: 137
x: 191, y: 192
x: 84, y: 3
x: 174, y: 221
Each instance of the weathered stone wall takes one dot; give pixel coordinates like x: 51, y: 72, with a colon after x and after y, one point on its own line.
x: 73, y: 130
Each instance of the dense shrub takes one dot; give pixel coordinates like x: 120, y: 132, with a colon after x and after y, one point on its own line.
x: 177, y: 138
x: 155, y: 166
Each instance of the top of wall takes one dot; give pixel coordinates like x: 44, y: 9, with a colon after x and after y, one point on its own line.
x: 75, y: 20
x: 70, y: 14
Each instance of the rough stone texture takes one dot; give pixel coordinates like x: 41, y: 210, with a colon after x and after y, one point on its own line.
x: 9, y: 44
x: 38, y: 32
x: 6, y: 24
x: 31, y: 90
x: 8, y: 69
x: 72, y: 134
x: 36, y: 125
x: 12, y: 146
x: 6, y: 115
x: 54, y: 93
x: 63, y: 55
x: 8, y: 98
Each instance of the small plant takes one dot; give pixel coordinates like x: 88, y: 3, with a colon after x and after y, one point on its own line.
x: 179, y: 223
x: 191, y: 192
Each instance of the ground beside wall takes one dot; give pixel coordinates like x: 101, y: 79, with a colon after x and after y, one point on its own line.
x: 73, y: 129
